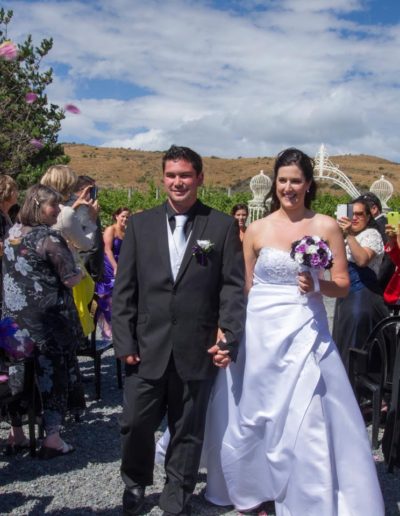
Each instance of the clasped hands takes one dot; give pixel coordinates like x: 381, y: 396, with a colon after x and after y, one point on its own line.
x: 220, y: 358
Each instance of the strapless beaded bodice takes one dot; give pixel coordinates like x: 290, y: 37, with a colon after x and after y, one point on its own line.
x: 275, y: 266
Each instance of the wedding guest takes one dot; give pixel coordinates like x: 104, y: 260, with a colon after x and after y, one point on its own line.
x: 38, y: 273
x: 391, y: 438
x: 63, y: 179
x: 357, y: 313
x: 387, y: 267
x: 113, y: 237
x: 180, y: 277
x: 241, y: 212
x: 283, y: 423
x: 392, y: 250
x: 8, y: 198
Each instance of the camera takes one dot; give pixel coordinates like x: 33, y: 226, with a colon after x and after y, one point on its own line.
x: 344, y: 210
x: 93, y: 193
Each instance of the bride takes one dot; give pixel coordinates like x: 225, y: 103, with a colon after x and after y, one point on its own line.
x: 283, y: 423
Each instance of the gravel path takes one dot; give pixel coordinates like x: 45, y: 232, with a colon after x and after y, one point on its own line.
x: 88, y: 482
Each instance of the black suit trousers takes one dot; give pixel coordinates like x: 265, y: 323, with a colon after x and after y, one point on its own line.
x: 145, y: 404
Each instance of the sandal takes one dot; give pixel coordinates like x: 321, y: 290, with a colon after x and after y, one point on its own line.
x: 50, y: 453
x: 13, y: 449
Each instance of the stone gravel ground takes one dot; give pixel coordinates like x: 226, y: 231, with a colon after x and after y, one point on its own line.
x: 88, y: 482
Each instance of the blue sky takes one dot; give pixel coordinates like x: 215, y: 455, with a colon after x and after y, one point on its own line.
x: 228, y: 78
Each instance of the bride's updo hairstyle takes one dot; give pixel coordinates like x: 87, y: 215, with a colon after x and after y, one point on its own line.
x: 288, y: 157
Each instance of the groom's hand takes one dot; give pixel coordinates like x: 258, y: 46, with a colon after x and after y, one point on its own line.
x: 221, y: 357
x: 131, y: 359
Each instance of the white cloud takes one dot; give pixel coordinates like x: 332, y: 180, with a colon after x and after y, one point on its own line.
x: 229, y: 83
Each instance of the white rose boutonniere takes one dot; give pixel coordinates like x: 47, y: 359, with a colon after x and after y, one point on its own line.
x: 201, y: 250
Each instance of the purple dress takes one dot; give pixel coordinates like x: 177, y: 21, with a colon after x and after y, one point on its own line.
x: 104, y: 292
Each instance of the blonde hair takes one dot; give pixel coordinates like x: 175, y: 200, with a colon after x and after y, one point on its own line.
x: 61, y: 178
x: 7, y: 187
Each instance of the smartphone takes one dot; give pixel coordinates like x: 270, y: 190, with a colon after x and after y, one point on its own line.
x: 93, y: 193
x: 344, y: 210
x: 393, y: 218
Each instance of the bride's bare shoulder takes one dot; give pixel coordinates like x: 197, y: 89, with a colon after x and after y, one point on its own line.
x: 260, y: 224
x: 326, y: 225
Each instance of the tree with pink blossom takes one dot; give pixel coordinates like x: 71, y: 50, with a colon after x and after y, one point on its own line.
x: 29, y: 125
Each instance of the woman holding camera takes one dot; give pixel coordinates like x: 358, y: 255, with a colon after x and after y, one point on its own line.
x: 63, y: 179
x: 357, y: 313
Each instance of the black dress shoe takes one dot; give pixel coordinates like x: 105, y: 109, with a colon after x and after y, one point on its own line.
x: 132, y: 501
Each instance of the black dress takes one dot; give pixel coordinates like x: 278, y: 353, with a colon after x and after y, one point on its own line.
x: 356, y: 314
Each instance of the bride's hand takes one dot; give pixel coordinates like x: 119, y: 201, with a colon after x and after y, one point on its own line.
x: 305, y: 282
x: 221, y: 358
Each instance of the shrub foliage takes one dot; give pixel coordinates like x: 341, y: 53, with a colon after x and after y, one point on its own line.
x: 29, y: 124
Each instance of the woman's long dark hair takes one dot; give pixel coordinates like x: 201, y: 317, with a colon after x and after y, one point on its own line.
x: 292, y: 156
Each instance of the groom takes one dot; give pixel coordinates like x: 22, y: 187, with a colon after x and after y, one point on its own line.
x: 180, y: 281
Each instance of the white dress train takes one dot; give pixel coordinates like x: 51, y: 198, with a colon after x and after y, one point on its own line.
x: 282, y: 422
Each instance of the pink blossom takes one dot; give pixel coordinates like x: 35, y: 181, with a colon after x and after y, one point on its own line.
x: 72, y: 109
x: 31, y: 97
x: 8, y: 51
x: 38, y: 144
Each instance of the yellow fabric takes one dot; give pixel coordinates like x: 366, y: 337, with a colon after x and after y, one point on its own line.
x: 83, y: 294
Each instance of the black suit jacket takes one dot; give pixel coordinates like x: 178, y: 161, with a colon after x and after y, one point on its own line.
x: 154, y: 316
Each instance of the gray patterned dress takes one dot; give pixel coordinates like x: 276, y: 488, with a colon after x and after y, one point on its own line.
x: 36, y: 263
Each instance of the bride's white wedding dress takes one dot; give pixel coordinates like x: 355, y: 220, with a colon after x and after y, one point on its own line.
x: 283, y: 423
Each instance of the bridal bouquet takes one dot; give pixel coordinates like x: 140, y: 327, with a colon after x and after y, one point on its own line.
x: 312, y: 252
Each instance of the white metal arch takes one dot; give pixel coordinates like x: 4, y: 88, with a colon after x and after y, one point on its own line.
x: 325, y: 170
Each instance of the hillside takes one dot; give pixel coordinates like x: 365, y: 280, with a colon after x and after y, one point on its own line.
x: 131, y: 168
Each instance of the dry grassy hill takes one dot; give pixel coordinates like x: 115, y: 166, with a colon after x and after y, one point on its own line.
x: 124, y: 167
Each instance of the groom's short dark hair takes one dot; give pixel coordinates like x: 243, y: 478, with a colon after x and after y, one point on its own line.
x: 175, y: 153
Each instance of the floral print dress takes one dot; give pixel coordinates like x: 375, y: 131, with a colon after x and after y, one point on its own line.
x: 36, y: 262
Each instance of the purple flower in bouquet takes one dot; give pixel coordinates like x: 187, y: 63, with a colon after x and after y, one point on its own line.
x: 201, y: 249
x: 312, y: 252
x: 8, y: 51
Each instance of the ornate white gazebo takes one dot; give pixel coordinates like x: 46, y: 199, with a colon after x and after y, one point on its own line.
x: 383, y: 189
x: 260, y: 185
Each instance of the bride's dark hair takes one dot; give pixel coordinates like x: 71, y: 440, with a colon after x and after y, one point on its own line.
x: 297, y: 157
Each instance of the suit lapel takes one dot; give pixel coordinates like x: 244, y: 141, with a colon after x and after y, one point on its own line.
x: 200, y: 223
x: 161, y: 233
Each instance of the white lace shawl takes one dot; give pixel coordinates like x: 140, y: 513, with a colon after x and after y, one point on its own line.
x: 372, y: 239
